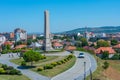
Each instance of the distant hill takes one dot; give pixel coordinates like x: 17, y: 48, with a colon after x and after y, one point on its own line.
x: 104, y: 29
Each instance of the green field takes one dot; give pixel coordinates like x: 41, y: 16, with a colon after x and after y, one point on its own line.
x: 100, y: 73
x: 58, y: 69
x: 48, y: 59
x: 51, y: 72
x: 13, y: 77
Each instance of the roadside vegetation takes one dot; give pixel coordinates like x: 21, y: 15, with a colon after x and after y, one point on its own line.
x: 45, y: 65
x: 9, y: 73
x: 56, y: 67
x: 107, y: 68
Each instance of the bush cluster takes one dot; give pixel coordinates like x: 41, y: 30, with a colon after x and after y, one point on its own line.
x: 48, y: 66
x: 54, y: 64
x: 23, y: 63
x: 9, y: 70
x: 40, y: 68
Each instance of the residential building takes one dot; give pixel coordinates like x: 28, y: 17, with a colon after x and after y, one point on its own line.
x: 20, y: 34
x: 9, y: 43
x: 20, y: 46
x: 100, y: 51
x: 35, y: 45
x: 31, y: 36
x: 70, y: 48
x: 57, y: 45
x: 2, y: 39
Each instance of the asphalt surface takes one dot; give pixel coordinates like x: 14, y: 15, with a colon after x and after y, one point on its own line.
x: 4, y: 59
x: 77, y: 72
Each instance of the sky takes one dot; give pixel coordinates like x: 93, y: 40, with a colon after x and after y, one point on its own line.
x: 65, y: 15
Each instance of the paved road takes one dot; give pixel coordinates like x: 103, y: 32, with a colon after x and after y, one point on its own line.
x: 4, y: 59
x: 77, y: 71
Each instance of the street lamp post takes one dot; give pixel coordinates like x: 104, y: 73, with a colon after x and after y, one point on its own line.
x: 84, y: 70
x: 90, y: 74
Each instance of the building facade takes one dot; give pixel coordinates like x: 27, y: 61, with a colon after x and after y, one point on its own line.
x: 2, y: 39
x: 20, y: 34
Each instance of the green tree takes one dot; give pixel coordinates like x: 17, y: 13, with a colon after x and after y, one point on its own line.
x: 114, y: 42
x: 29, y: 41
x: 18, y: 43
x: 8, y: 47
x: 78, y: 44
x: 105, y: 65
x: 105, y: 55
x: 84, y: 42
x: 102, y: 43
x: 31, y: 56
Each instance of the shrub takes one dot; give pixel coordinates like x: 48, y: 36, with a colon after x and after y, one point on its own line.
x: 15, y: 72
x: 43, y: 57
x: 19, y: 72
x: 23, y: 63
x: 48, y: 66
x: 4, y: 66
x: 70, y: 56
x: 105, y: 55
x: 10, y: 68
x: 106, y: 65
x: 65, y: 60
x: 59, y: 63
x: 40, y: 68
x: 54, y: 63
x: 116, y: 57
x: 2, y: 71
x: 62, y: 61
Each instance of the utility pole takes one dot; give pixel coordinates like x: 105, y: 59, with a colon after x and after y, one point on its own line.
x: 84, y: 70
x: 90, y: 74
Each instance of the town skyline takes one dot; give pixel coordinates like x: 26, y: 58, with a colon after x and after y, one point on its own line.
x: 28, y: 14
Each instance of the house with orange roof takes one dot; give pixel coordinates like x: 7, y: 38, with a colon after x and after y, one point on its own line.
x: 9, y: 43
x: 57, y: 45
x: 100, y: 50
x: 116, y: 46
x: 20, y: 46
x: 70, y: 48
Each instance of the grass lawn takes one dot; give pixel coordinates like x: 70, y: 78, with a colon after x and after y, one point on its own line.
x: 100, y: 73
x: 50, y: 72
x: 115, y: 64
x: 58, y: 69
x: 48, y: 58
x: 13, y: 77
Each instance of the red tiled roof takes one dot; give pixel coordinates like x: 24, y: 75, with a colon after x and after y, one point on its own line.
x: 20, y: 46
x: 116, y: 46
x: 8, y: 43
x: 57, y: 44
x: 89, y: 48
x: 70, y: 48
x: 109, y: 49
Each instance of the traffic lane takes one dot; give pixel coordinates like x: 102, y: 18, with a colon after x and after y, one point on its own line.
x: 75, y: 71
x: 91, y: 69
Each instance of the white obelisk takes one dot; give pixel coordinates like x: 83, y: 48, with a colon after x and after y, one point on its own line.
x: 47, y: 40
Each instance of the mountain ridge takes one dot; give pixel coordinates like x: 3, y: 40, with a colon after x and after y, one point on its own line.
x: 102, y: 29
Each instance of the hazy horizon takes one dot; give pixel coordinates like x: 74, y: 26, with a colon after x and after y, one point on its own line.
x: 65, y: 15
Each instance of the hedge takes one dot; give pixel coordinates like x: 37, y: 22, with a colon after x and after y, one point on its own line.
x: 53, y: 64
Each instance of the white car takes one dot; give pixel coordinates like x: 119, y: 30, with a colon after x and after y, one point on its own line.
x: 81, y: 55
